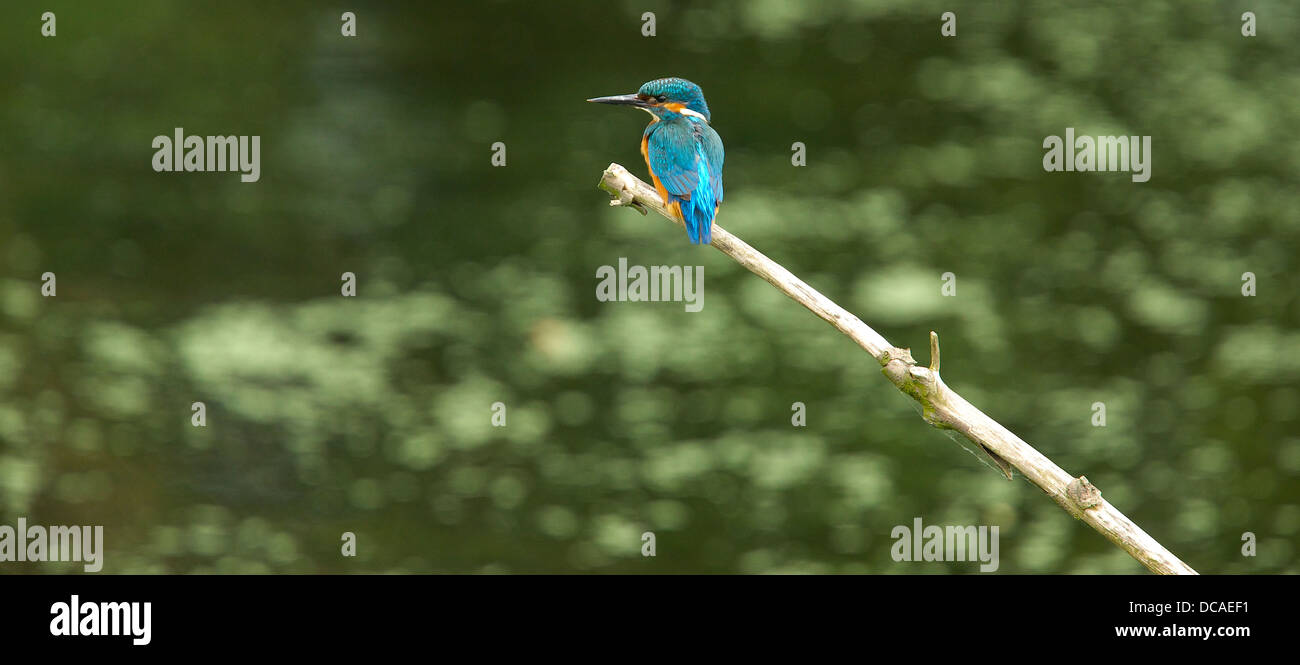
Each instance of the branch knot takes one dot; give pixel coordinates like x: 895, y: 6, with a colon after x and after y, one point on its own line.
x: 920, y: 383
x: 1083, y: 493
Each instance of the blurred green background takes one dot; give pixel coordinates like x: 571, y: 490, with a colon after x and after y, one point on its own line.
x: 477, y: 284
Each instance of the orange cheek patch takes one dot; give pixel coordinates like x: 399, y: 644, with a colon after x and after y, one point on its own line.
x: 675, y: 107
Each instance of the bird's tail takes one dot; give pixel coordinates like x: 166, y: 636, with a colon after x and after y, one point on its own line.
x: 698, y: 216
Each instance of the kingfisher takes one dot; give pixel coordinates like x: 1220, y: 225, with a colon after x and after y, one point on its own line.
x: 681, y: 149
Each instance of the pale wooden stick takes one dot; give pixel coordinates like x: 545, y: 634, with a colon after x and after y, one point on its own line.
x: 940, y: 405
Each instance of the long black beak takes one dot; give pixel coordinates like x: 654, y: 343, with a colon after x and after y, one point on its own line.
x: 622, y: 100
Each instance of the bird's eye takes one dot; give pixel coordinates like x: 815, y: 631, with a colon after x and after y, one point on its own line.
x: 663, y: 98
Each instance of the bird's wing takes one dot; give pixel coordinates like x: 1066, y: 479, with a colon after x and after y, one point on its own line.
x: 672, y: 149
x: 712, y: 145
x: 685, y: 159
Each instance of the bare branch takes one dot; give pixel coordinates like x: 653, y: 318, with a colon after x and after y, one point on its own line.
x: 940, y: 406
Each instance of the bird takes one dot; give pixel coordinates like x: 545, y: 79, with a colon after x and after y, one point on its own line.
x: 681, y: 149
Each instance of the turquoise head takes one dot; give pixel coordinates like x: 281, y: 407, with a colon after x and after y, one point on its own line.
x: 663, y: 98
